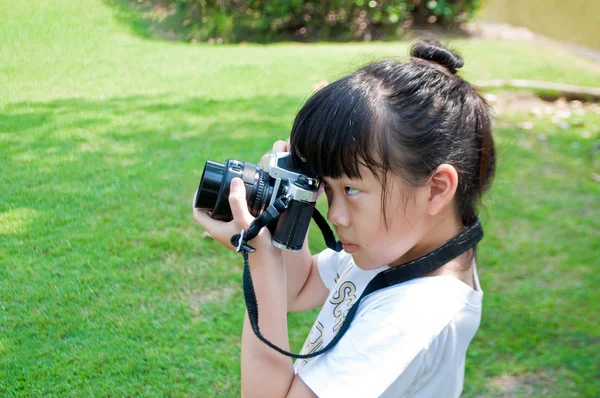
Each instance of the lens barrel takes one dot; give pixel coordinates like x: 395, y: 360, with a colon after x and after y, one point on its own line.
x: 210, y: 184
x: 213, y: 191
x: 290, y: 228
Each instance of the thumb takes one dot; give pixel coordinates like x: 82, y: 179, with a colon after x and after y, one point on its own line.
x: 237, y: 202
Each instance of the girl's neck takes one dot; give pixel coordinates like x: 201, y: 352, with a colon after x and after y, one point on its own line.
x: 440, y: 231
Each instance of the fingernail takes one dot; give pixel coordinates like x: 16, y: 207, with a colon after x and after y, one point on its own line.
x: 235, y: 184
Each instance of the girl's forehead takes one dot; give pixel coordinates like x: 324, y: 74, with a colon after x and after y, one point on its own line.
x: 366, y: 176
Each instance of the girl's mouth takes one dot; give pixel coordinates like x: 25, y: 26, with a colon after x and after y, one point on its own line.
x: 349, y: 247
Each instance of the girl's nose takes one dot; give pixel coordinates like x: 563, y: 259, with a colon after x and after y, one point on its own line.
x: 338, y: 215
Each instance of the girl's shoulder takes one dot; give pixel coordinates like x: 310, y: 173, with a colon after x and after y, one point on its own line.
x: 421, y: 307
x: 424, y: 307
x: 422, y: 326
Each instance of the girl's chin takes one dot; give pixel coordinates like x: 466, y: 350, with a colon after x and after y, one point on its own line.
x: 365, y: 263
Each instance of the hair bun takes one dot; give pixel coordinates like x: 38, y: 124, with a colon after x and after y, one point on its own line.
x: 433, y: 51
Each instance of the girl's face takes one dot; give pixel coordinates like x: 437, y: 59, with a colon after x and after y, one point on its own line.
x: 355, y: 210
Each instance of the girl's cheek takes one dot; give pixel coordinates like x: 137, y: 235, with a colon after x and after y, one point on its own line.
x: 363, y: 202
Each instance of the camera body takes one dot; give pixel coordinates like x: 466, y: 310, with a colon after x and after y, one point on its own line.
x: 300, y: 189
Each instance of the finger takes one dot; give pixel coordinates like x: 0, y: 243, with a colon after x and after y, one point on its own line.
x: 203, y: 218
x: 194, y: 199
x: 237, y: 202
x: 280, y: 146
x: 264, y: 161
x: 218, y: 230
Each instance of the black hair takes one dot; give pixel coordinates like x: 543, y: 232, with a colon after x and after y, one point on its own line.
x: 405, y: 117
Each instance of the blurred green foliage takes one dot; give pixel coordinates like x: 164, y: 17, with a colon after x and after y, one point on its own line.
x: 305, y: 20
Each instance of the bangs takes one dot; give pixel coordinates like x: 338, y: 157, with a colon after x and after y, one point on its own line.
x: 338, y: 129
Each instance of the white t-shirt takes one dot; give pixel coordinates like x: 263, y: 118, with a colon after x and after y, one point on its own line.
x: 407, y: 340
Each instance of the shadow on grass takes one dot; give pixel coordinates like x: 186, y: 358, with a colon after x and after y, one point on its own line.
x: 135, y: 153
x: 106, y: 268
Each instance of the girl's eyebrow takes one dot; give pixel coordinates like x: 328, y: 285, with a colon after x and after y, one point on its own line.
x: 329, y: 179
x: 343, y: 180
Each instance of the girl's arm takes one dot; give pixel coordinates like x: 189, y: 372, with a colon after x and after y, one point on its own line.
x: 265, y: 372
x: 297, y: 267
x: 305, y: 289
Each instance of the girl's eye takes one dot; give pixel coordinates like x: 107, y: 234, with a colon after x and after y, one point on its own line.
x: 351, y: 191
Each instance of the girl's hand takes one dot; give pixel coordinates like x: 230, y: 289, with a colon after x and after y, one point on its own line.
x: 223, y: 231
x: 278, y: 146
x: 281, y: 146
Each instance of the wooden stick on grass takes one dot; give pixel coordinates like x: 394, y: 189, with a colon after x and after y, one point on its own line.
x: 566, y: 90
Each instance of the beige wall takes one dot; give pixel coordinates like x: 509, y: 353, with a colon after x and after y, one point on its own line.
x: 575, y: 21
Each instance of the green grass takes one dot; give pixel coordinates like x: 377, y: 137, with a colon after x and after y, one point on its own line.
x: 108, y: 288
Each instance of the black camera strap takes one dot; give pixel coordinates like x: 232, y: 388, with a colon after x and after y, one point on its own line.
x: 393, y: 276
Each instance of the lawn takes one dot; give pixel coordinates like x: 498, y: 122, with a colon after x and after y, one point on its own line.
x: 107, y: 286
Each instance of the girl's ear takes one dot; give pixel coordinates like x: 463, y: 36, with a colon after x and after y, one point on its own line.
x: 442, y: 187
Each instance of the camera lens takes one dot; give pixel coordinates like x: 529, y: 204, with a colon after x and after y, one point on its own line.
x: 258, y: 193
x: 213, y: 191
x: 210, y: 184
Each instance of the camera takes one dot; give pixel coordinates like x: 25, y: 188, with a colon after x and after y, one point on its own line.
x: 263, y: 187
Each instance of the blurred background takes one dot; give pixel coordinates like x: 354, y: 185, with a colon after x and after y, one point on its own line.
x: 571, y: 22
x: 110, y: 108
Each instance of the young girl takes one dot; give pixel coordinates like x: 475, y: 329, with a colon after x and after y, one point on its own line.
x: 405, y: 151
